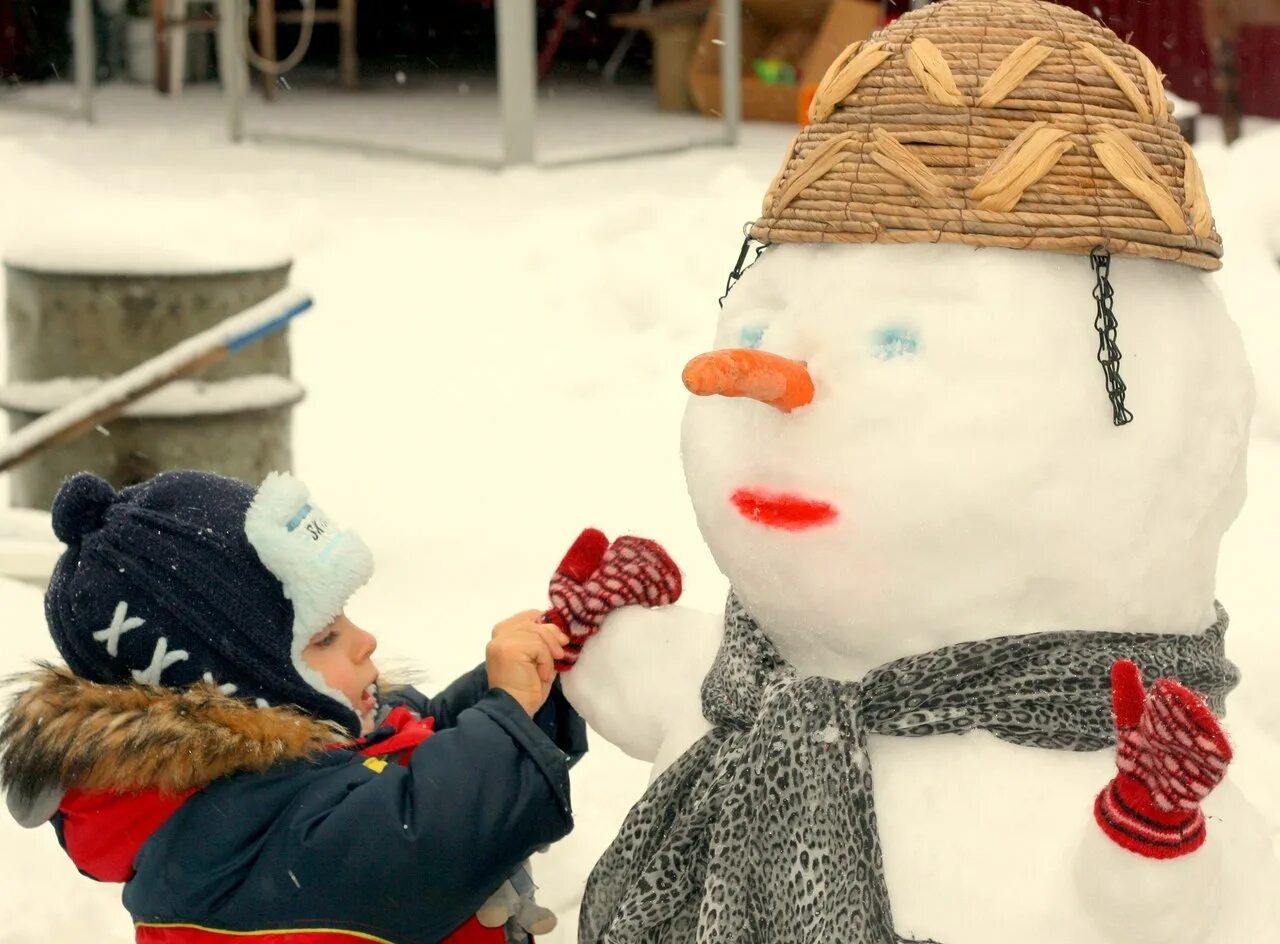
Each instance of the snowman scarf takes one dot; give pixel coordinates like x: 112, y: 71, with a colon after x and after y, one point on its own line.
x: 765, y: 830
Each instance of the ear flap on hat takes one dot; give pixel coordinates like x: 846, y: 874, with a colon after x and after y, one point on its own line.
x: 31, y: 812
x: 318, y: 563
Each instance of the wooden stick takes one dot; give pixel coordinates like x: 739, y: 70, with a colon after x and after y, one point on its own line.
x: 110, y: 399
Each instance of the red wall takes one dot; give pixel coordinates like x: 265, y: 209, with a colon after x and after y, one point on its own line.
x: 1171, y: 33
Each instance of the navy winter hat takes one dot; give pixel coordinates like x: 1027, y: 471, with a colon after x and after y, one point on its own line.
x: 192, y: 577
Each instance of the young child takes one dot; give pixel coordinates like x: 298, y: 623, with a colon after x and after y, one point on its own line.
x: 218, y: 741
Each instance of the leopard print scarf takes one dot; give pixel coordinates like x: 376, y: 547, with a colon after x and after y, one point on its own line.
x: 765, y: 830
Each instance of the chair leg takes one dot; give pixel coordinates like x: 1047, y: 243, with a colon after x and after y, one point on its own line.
x: 160, y: 26
x: 610, y: 71
x: 348, y: 60
x: 267, y: 44
x: 1221, y: 30
x: 177, y: 45
x: 1228, y: 85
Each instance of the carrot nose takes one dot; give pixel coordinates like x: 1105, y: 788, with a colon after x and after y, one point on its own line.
x: 739, y: 372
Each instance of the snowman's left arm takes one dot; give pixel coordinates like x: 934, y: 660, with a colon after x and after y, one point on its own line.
x: 1148, y: 868
x: 1135, y: 900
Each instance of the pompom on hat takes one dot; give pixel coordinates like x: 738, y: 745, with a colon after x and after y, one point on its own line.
x: 80, y: 506
x: 1012, y: 123
x: 192, y: 577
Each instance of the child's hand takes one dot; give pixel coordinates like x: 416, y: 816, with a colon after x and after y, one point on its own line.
x: 520, y: 658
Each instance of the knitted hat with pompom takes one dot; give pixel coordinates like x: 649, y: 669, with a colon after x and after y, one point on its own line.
x: 192, y: 577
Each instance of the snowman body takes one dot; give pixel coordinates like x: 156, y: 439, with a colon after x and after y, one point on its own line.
x: 957, y: 477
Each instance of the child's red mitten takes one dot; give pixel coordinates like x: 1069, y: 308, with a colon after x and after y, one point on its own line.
x: 1171, y: 752
x: 596, y: 577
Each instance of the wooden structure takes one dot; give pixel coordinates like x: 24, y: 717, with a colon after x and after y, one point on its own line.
x: 806, y: 35
x: 674, y: 29
x: 174, y: 18
x: 342, y: 15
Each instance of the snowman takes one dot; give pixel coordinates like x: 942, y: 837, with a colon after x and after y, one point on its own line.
x: 972, y: 428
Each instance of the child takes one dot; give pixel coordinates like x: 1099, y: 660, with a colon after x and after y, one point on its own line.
x: 218, y: 741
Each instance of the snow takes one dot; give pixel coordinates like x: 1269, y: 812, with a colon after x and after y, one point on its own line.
x: 179, y: 398
x: 26, y: 524
x: 28, y: 548
x: 107, y: 231
x: 28, y: 868
x: 1182, y: 108
x: 454, y: 116
x: 501, y: 354
x: 231, y: 334
x: 182, y: 236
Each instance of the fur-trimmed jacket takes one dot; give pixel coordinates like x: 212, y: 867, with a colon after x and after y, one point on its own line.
x: 223, y: 819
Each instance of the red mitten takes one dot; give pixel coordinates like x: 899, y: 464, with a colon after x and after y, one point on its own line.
x: 1170, y: 754
x: 596, y: 577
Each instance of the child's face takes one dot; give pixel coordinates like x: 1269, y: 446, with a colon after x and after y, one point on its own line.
x: 342, y: 653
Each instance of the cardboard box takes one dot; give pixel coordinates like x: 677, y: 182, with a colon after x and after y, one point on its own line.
x: 806, y: 34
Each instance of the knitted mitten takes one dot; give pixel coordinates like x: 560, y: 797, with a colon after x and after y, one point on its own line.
x: 1170, y: 753
x: 596, y: 577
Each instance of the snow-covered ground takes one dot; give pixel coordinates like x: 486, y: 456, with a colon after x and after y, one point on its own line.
x: 493, y: 363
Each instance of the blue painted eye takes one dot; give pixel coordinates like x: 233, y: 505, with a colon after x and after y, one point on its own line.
x: 751, y: 336
x: 889, y: 343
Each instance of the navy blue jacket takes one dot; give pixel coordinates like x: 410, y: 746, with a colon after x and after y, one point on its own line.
x: 404, y: 854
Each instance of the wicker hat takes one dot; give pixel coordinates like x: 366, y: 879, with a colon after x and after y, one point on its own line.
x: 1011, y: 123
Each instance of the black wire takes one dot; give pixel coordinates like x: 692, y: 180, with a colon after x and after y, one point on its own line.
x: 1108, y: 353
x: 742, y: 265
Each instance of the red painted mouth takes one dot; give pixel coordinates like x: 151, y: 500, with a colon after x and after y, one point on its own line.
x: 783, y: 511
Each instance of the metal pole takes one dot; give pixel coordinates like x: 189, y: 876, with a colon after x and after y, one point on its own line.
x: 517, y: 77
x: 84, y: 55
x: 231, y: 65
x: 731, y: 69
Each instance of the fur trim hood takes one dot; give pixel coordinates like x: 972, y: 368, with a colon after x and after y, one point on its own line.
x: 62, y: 732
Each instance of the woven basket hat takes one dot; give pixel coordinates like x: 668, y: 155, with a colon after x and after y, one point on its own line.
x: 1010, y: 123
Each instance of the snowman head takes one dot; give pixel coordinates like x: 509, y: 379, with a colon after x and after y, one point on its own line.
x: 910, y: 442
x: 954, y: 472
